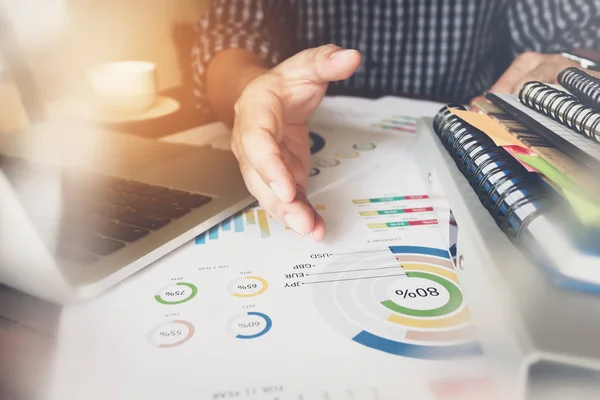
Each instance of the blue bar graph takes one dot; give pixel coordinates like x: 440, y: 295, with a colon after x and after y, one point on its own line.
x: 201, y: 238
x: 213, y: 233
x: 243, y: 221
x: 238, y: 223
x: 226, y: 225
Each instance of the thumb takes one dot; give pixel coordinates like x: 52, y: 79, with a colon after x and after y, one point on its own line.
x: 321, y: 64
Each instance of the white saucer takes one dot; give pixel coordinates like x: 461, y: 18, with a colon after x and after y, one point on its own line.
x: 162, y: 106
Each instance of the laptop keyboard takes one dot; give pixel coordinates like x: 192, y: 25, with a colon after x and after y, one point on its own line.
x: 98, y: 214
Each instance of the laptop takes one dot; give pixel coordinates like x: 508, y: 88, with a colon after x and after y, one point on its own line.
x: 82, y: 208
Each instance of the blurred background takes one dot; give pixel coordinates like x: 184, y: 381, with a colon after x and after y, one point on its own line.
x: 59, y: 40
x: 46, y: 50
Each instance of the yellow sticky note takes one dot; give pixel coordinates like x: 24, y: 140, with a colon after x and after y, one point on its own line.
x: 489, y: 126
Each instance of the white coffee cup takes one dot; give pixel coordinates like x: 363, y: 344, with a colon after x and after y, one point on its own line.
x: 124, y: 86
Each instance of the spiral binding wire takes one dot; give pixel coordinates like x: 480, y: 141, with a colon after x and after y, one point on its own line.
x: 584, y: 86
x: 562, y: 107
x: 502, y: 184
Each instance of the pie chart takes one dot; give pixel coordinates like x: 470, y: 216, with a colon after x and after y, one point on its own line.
x: 413, y: 307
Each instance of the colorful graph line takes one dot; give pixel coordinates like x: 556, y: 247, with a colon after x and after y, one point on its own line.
x: 395, y: 211
x: 456, y: 319
x: 400, y: 123
x: 401, y: 224
x: 390, y: 199
x: 395, y: 127
x: 405, y: 118
x: 415, y: 351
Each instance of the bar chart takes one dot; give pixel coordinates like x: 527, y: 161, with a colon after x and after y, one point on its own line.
x: 398, y: 123
x: 239, y: 223
x: 253, y: 221
x: 398, y: 211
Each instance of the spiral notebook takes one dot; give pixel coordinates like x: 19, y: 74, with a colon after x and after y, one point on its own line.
x: 582, y: 85
x: 574, y: 144
x: 523, y: 205
x: 562, y: 107
x: 583, y: 177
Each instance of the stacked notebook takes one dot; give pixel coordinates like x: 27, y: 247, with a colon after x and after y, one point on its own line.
x: 544, y: 194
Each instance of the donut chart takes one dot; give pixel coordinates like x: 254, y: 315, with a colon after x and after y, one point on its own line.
x: 364, y: 146
x: 347, y: 154
x: 249, y: 286
x: 177, y: 293
x: 251, y: 325
x: 328, y: 163
x: 454, y: 302
x: 316, y: 142
x: 172, y: 333
x: 416, y: 311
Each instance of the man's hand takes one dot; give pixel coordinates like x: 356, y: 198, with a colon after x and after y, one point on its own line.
x: 527, y: 67
x: 270, y: 132
x: 531, y: 66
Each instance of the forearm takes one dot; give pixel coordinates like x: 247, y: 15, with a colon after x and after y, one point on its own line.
x: 227, y: 74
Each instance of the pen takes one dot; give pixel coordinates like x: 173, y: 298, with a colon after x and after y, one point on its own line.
x: 584, y: 61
